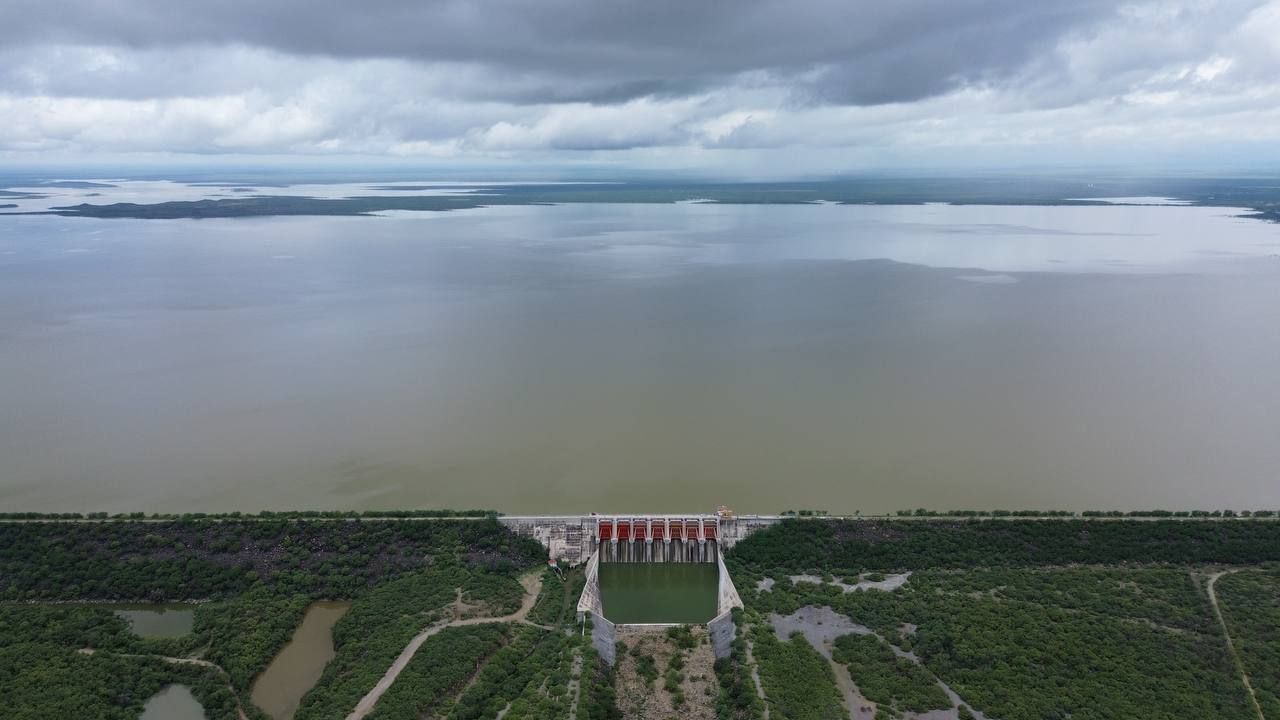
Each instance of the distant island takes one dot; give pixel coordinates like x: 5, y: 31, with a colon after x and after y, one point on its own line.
x: 77, y: 184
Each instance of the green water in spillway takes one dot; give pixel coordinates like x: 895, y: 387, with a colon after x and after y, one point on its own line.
x: 658, y: 592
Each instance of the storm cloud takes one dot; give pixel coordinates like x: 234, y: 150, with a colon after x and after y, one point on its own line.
x: 652, y: 79
x: 846, y: 52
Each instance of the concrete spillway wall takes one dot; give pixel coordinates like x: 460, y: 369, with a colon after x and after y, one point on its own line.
x: 603, y: 633
x: 722, y: 628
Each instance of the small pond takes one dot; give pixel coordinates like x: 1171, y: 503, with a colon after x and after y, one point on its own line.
x: 298, y: 665
x: 174, y: 702
x: 157, y: 621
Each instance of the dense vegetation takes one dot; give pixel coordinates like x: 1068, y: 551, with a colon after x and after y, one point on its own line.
x: 201, y: 559
x: 78, y: 627
x: 41, y: 681
x: 379, y: 625
x: 528, y: 679
x: 439, y: 669
x: 1049, y: 643
x: 558, y: 602
x: 1250, y: 603
x: 737, y: 699
x: 1019, y: 661
x: 849, y: 546
x: 240, y: 636
x: 243, y: 634
x: 260, y: 575
x: 895, y: 684
x: 79, y: 662
x: 551, y: 699
x: 1024, y: 619
x: 798, y: 682
x: 263, y: 515
x: 1166, y: 597
x: 599, y: 700
x: 1204, y: 514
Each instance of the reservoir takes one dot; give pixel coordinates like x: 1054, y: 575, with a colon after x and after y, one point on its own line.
x: 659, y: 592
x: 296, y: 668
x: 643, y: 358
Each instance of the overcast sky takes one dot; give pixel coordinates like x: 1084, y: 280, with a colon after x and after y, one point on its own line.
x: 754, y: 87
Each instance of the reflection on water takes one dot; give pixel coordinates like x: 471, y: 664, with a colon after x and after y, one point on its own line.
x: 297, y: 667
x: 174, y: 702
x: 654, y: 358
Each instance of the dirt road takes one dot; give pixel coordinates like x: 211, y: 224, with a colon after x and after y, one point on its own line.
x: 1231, y: 646
x: 532, y: 584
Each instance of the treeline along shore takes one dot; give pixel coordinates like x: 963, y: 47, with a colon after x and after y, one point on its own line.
x: 215, y: 556
x: 437, y: 514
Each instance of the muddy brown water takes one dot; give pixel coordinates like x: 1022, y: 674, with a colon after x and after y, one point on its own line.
x: 299, y: 664
x: 656, y: 358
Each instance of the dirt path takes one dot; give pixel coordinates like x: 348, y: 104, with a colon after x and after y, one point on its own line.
x: 1231, y: 646
x: 532, y: 584
x: 755, y: 675
x: 575, y: 684
x: 858, y: 706
x: 822, y: 625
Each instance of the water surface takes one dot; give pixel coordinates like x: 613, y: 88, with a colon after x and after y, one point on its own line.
x: 174, y: 702
x: 659, y: 592
x: 157, y: 621
x: 299, y: 664
x: 643, y: 358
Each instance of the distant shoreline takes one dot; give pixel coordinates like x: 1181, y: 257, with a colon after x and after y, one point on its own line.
x: 284, y: 206
x: 1262, y: 200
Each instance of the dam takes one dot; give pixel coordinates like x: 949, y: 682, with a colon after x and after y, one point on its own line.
x: 573, y: 539
x: 657, y: 539
x: 647, y: 572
